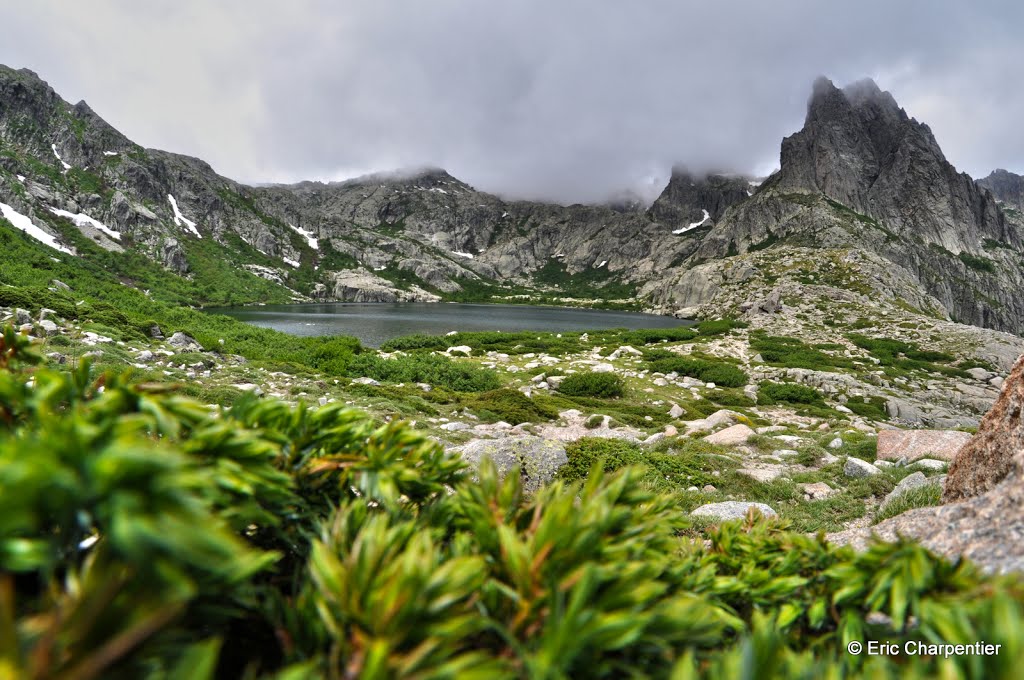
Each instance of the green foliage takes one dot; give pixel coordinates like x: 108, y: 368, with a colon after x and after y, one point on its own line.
x: 719, y: 372
x: 789, y: 393
x: 587, y: 384
x: 869, y: 407
x: 978, y: 263
x: 593, y: 282
x: 906, y: 356
x: 511, y: 406
x: 434, y: 369
x: 794, y: 353
x: 586, y: 452
x: 719, y: 326
x: 142, y: 536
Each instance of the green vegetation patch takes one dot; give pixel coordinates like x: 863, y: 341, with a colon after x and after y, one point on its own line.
x: 719, y: 372
x: 588, y: 384
x: 788, y: 393
x: 433, y: 369
x: 510, y: 406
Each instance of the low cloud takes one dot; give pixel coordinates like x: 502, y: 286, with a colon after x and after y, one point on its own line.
x: 568, y: 100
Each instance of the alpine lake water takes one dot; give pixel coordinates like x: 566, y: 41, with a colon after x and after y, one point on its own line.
x: 374, y: 323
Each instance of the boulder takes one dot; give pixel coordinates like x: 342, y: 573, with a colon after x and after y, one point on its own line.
x: 538, y: 459
x: 911, y: 481
x: 46, y: 327
x: 983, y: 515
x: 676, y: 411
x: 730, y: 436
x: 914, y: 444
x: 857, y: 468
x: 818, y: 491
x: 988, y: 457
x: 729, y: 510
x: 184, y: 342
x: 930, y: 464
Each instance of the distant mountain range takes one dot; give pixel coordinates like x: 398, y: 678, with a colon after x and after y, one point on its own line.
x: 860, y: 175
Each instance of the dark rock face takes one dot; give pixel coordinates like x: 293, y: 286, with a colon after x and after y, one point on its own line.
x: 686, y: 197
x: 1007, y: 188
x: 988, y: 458
x: 858, y: 147
x: 862, y: 174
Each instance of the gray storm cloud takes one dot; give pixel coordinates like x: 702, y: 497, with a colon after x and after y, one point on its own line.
x: 568, y: 100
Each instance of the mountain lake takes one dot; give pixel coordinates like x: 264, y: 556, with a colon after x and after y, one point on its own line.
x: 374, y: 323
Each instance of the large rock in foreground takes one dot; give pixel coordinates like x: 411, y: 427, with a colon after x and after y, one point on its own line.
x: 729, y: 510
x: 987, y: 458
x: 987, y: 528
x: 537, y: 458
x: 915, y: 444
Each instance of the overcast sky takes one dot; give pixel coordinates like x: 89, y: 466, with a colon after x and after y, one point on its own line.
x: 570, y: 100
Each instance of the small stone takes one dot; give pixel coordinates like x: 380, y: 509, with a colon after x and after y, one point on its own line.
x: 671, y: 431
x: 709, y: 488
x: 602, y: 368
x: 455, y: 427
x: 857, y: 468
x: 818, y: 490
x: 676, y: 411
x: 883, y: 464
x: 836, y: 443
x: 930, y: 464
x: 145, y: 356
x: 364, y: 381
x: 185, y: 342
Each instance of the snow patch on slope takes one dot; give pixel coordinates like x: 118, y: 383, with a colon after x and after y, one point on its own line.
x: 180, y: 219
x: 294, y: 263
x: 468, y: 256
x: 25, y: 224
x: 314, y: 243
x: 693, y: 225
x: 81, y: 219
x: 66, y: 166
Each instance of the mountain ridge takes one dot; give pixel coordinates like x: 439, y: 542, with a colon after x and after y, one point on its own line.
x: 860, y: 174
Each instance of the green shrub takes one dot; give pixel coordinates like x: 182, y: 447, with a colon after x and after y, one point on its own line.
x: 612, y: 454
x: 873, y: 408
x: 718, y: 326
x: 719, y: 372
x: 587, y: 384
x: 511, y: 406
x: 794, y: 353
x: 460, y: 376
x: 981, y: 264
x: 142, y: 536
x: 774, y: 393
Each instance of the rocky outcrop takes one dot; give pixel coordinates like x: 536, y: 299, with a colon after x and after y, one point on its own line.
x: 988, y: 458
x: 537, y: 459
x: 983, y: 515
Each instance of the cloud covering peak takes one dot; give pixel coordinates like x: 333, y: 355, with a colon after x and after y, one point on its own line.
x: 572, y: 100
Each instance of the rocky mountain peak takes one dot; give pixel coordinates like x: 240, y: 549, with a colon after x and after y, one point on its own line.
x: 691, y: 197
x: 1007, y: 187
x: 859, y: 148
